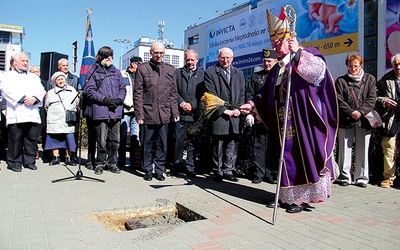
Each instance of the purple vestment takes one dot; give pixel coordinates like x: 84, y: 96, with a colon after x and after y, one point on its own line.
x: 311, y: 129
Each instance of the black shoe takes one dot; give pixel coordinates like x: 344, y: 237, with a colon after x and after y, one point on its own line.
x: 99, y: 170
x: 271, y: 204
x: 15, y: 169
x: 148, y: 176
x: 270, y: 179
x: 114, y: 169
x: 31, y: 166
x: 343, y: 183
x: 293, y: 209
x: 89, y: 165
x: 69, y: 162
x: 55, y: 161
x: 160, y: 177
x: 231, y: 177
x: 256, y: 180
x: 361, y: 185
x: 217, y: 178
x: 191, y: 174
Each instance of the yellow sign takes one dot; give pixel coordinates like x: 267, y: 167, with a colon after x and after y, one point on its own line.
x: 11, y: 27
x: 335, y: 45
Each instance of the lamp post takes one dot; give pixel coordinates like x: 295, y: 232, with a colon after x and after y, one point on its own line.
x: 121, y: 41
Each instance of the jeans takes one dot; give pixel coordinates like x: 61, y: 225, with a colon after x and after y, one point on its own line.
x: 107, y: 138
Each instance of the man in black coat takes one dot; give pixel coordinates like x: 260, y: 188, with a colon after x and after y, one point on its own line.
x: 190, y: 83
x: 261, y: 172
x: 226, y: 82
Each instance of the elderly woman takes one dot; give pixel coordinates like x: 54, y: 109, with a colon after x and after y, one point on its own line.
x: 59, y: 133
x: 356, y: 95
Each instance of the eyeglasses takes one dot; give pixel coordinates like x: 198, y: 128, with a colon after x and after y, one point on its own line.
x: 353, y: 67
x: 225, y: 58
x: 157, y: 52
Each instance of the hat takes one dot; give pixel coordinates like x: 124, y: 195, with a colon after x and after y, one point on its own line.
x: 278, y: 27
x: 269, y: 53
x: 136, y: 59
x: 56, y: 75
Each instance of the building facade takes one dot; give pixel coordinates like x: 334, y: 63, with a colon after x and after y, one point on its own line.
x: 11, y: 37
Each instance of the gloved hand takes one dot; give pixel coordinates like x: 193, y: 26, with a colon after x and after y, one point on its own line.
x: 107, y: 101
x: 118, y: 101
x: 250, y: 120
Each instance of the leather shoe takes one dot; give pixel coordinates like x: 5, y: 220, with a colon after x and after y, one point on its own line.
x: 217, y: 178
x: 361, y: 185
x: 99, y: 170
x: 114, y: 169
x: 271, y: 204
x: 270, y: 179
x: 89, y: 165
x: 69, y: 162
x: 256, y: 180
x: 31, y: 166
x: 191, y: 174
x: 343, y: 183
x: 15, y: 169
x: 231, y: 177
x: 160, y: 177
x: 55, y: 161
x: 148, y: 176
x: 293, y: 209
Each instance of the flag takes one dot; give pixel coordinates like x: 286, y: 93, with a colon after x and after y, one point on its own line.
x: 88, y: 57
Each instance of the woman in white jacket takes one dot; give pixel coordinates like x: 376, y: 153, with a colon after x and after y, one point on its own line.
x: 59, y: 133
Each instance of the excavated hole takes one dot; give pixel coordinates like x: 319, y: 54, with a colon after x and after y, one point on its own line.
x: 165, y: 213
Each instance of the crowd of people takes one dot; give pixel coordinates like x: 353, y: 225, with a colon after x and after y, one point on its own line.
x: 297, y: 112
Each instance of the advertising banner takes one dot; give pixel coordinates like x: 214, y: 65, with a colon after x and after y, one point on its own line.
x: 329, y: 25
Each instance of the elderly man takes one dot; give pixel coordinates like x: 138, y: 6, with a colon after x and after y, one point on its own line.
x: 307, y: 163
x: 155, y: 100
x: 257, y: 80
x: 106, y: 90
x: 190, y: 83
x: 24, y: 94
x: 71, y: 79
x: 226, y: 82
x: 388, y: 101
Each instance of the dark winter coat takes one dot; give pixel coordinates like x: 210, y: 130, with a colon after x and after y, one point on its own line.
x: 232, y: 92
x: 190, y: 89
x: 155, y: 95
x: 365, y: 91
x: 112, y: 87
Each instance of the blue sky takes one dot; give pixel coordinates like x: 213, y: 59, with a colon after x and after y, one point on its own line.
x: 53, y: 25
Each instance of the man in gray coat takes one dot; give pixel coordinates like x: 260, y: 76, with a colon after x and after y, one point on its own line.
x: 155, y: 100
x: 226, y: 82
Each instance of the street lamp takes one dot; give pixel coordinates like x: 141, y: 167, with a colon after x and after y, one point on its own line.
x: 121, y: 41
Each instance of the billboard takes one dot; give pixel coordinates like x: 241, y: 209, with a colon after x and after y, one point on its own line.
x: 392, y: 30
x: 329, y: 25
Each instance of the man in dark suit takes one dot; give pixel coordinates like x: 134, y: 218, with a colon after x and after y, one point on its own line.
x: 190, y: 83
x: 257, y: 80
x: 155, y: 100
x: 226, y: 82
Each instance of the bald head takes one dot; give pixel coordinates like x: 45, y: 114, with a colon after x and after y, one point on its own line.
x: 157, y: 51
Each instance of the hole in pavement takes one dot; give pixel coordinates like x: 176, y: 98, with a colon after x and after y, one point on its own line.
x: 164, y: 213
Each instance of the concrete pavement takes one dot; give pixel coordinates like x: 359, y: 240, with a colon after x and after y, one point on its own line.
x: 38, y: 214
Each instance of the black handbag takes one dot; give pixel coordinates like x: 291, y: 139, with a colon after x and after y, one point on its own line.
x: 71, y: 116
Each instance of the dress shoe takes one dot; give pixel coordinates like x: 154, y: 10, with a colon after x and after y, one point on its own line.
x: 231, y: 177
x: 148, y: 176
x: 89, y: 165
x: 114, y: 169
x: 293, y: 209
x: 31, y: 166
x: 69, y: 162
x: 15, y: 169
x: 160, y: 177
x: 99, y: 170
x: 361, y: 185
x: 256, y: 180
x: 343, y: 183
x: 191, y: 174
x: 270, y: 179
x: 55, y: 161
x: 217, y: 178
x: 271, y: 204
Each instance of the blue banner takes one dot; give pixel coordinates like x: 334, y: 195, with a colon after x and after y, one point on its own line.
x: 88, y: 57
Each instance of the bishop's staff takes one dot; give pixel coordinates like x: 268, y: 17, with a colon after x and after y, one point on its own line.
x: 288, y: 13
